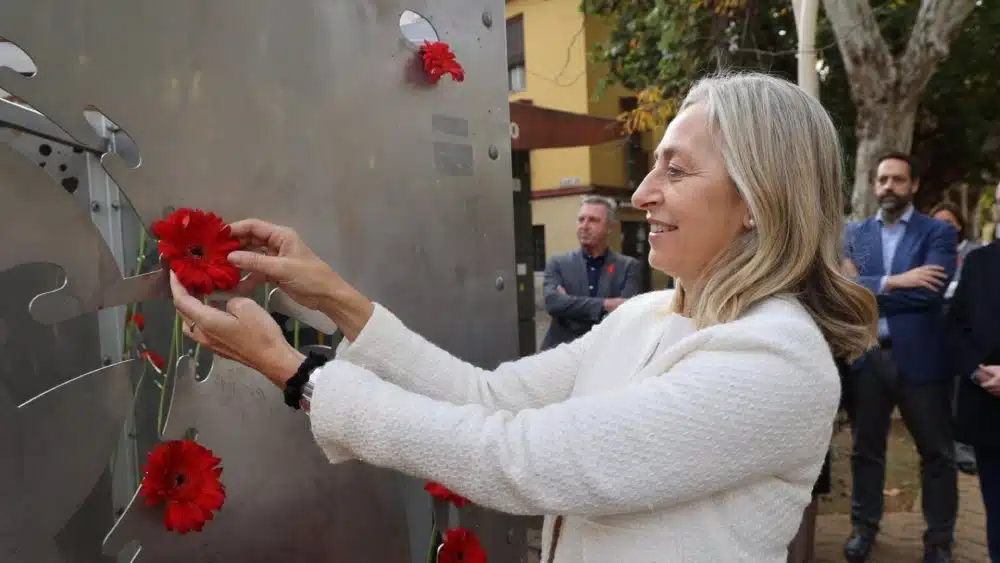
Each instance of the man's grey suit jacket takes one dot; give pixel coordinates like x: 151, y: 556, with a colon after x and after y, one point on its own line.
x: 575, y: 312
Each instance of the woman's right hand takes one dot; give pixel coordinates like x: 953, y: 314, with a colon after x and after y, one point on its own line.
x: 277, y: 255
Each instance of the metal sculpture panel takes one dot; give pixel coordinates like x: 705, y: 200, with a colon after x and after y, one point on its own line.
x: 313, y: 114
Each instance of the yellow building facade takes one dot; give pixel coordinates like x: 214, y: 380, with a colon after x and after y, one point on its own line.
x: 549, y: 66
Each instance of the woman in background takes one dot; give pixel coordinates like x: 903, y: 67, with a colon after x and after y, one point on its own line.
x: 965, y: 457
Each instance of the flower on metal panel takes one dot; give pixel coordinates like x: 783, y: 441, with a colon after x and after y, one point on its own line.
x: 185, y: 476
x: 195, y: 245
x: 439, y: 60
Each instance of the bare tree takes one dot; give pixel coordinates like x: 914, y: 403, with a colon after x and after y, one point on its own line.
x: 885, y: 88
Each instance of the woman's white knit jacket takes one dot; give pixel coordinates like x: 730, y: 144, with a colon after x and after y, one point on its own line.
x: 656, y: 442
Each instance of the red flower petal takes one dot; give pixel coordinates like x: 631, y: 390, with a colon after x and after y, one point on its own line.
x: 137, y: 319
x: 461, y: 546
x: 195, y: 245
x: 439, y: 60
x: 440, y: 492
x: 184, y: 475
x: 153, y: 358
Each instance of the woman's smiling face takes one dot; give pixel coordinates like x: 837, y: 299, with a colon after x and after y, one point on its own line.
x: 692, y: 206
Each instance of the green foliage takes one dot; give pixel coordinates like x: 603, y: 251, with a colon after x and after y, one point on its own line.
x: 663, y: 46
x: 960, y: 114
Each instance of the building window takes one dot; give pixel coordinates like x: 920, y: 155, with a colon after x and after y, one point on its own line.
x: 538, y: 239
x: 516, y: 79
x: 636, y: 157
x: 516, y: 74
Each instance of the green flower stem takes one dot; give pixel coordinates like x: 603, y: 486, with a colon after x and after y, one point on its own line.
x: 436, y: 540
x: 130, y: 309
x: 135, y: 399
x: 296, y: 333
x: 171, y: 368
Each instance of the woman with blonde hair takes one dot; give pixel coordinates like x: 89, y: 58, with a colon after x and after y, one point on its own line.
x: 688, y: 426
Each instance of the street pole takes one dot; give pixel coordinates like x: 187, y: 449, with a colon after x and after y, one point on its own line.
x: 806, y: 12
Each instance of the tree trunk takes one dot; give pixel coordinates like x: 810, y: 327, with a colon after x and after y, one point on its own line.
x: 879, y: 130
x: 887, y: 88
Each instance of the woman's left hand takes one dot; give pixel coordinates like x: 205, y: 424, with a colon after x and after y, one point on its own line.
x: 244, y: 332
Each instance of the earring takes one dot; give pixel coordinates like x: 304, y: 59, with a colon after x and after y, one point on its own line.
x: 753, y: 224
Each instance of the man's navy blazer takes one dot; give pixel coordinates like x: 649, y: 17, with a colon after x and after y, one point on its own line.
x: 915, y: 316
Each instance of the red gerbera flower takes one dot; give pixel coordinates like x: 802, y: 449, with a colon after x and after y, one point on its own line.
x: 611, y: 268
x: 195, y: 244
x: 440, y: 492
x: 153, y: 358
x: 439, y: 61
x: 137, y: 319
x: 461, y: 546
x: 184, y: 475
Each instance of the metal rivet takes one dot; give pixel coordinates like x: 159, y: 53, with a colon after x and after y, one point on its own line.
x: 95, y: 206
x: 107, y: 360
x: 499, y: 283
x: 115, y: 206
x: 487, y: 19
x: 494, y: 152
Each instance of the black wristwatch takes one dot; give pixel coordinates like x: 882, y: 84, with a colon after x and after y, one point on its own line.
x: 299, y: 389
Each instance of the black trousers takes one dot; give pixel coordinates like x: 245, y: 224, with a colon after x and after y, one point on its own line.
x: 926, y: 410
x: 989, y: 483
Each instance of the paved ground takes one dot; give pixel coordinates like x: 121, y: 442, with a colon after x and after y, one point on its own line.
x: 900, y: 542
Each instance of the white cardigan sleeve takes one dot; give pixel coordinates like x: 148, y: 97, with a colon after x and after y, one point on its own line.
x: 397, y: 354
x: 736, y: 410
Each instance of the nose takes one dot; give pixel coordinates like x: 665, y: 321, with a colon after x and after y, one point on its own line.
x: 647, y: 194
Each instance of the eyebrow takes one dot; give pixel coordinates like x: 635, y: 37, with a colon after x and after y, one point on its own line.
x: 664, y: 153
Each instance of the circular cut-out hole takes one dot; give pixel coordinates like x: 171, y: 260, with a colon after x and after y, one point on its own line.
x: 44, y: 149
x: 62, y: 167
x: 15, y: 58
x: 416, y: 28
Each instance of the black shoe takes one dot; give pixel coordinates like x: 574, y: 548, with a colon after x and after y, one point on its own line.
x: 937, y: 554
x: 859, y: 546
x: 967, y: 467
x: 965, y: 458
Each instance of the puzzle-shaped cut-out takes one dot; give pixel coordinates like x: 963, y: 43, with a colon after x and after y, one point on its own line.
x: 56, y: 446
x: 93, y: 280
x: 29, y: 89
x: 242, y: 418
x: 238, y: 131
x: 279, y: 302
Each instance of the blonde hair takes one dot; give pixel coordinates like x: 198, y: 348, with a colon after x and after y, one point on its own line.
x: 783, y: 154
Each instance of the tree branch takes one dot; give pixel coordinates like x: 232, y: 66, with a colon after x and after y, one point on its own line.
x: 869, y: 63
x: 938, y: 22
